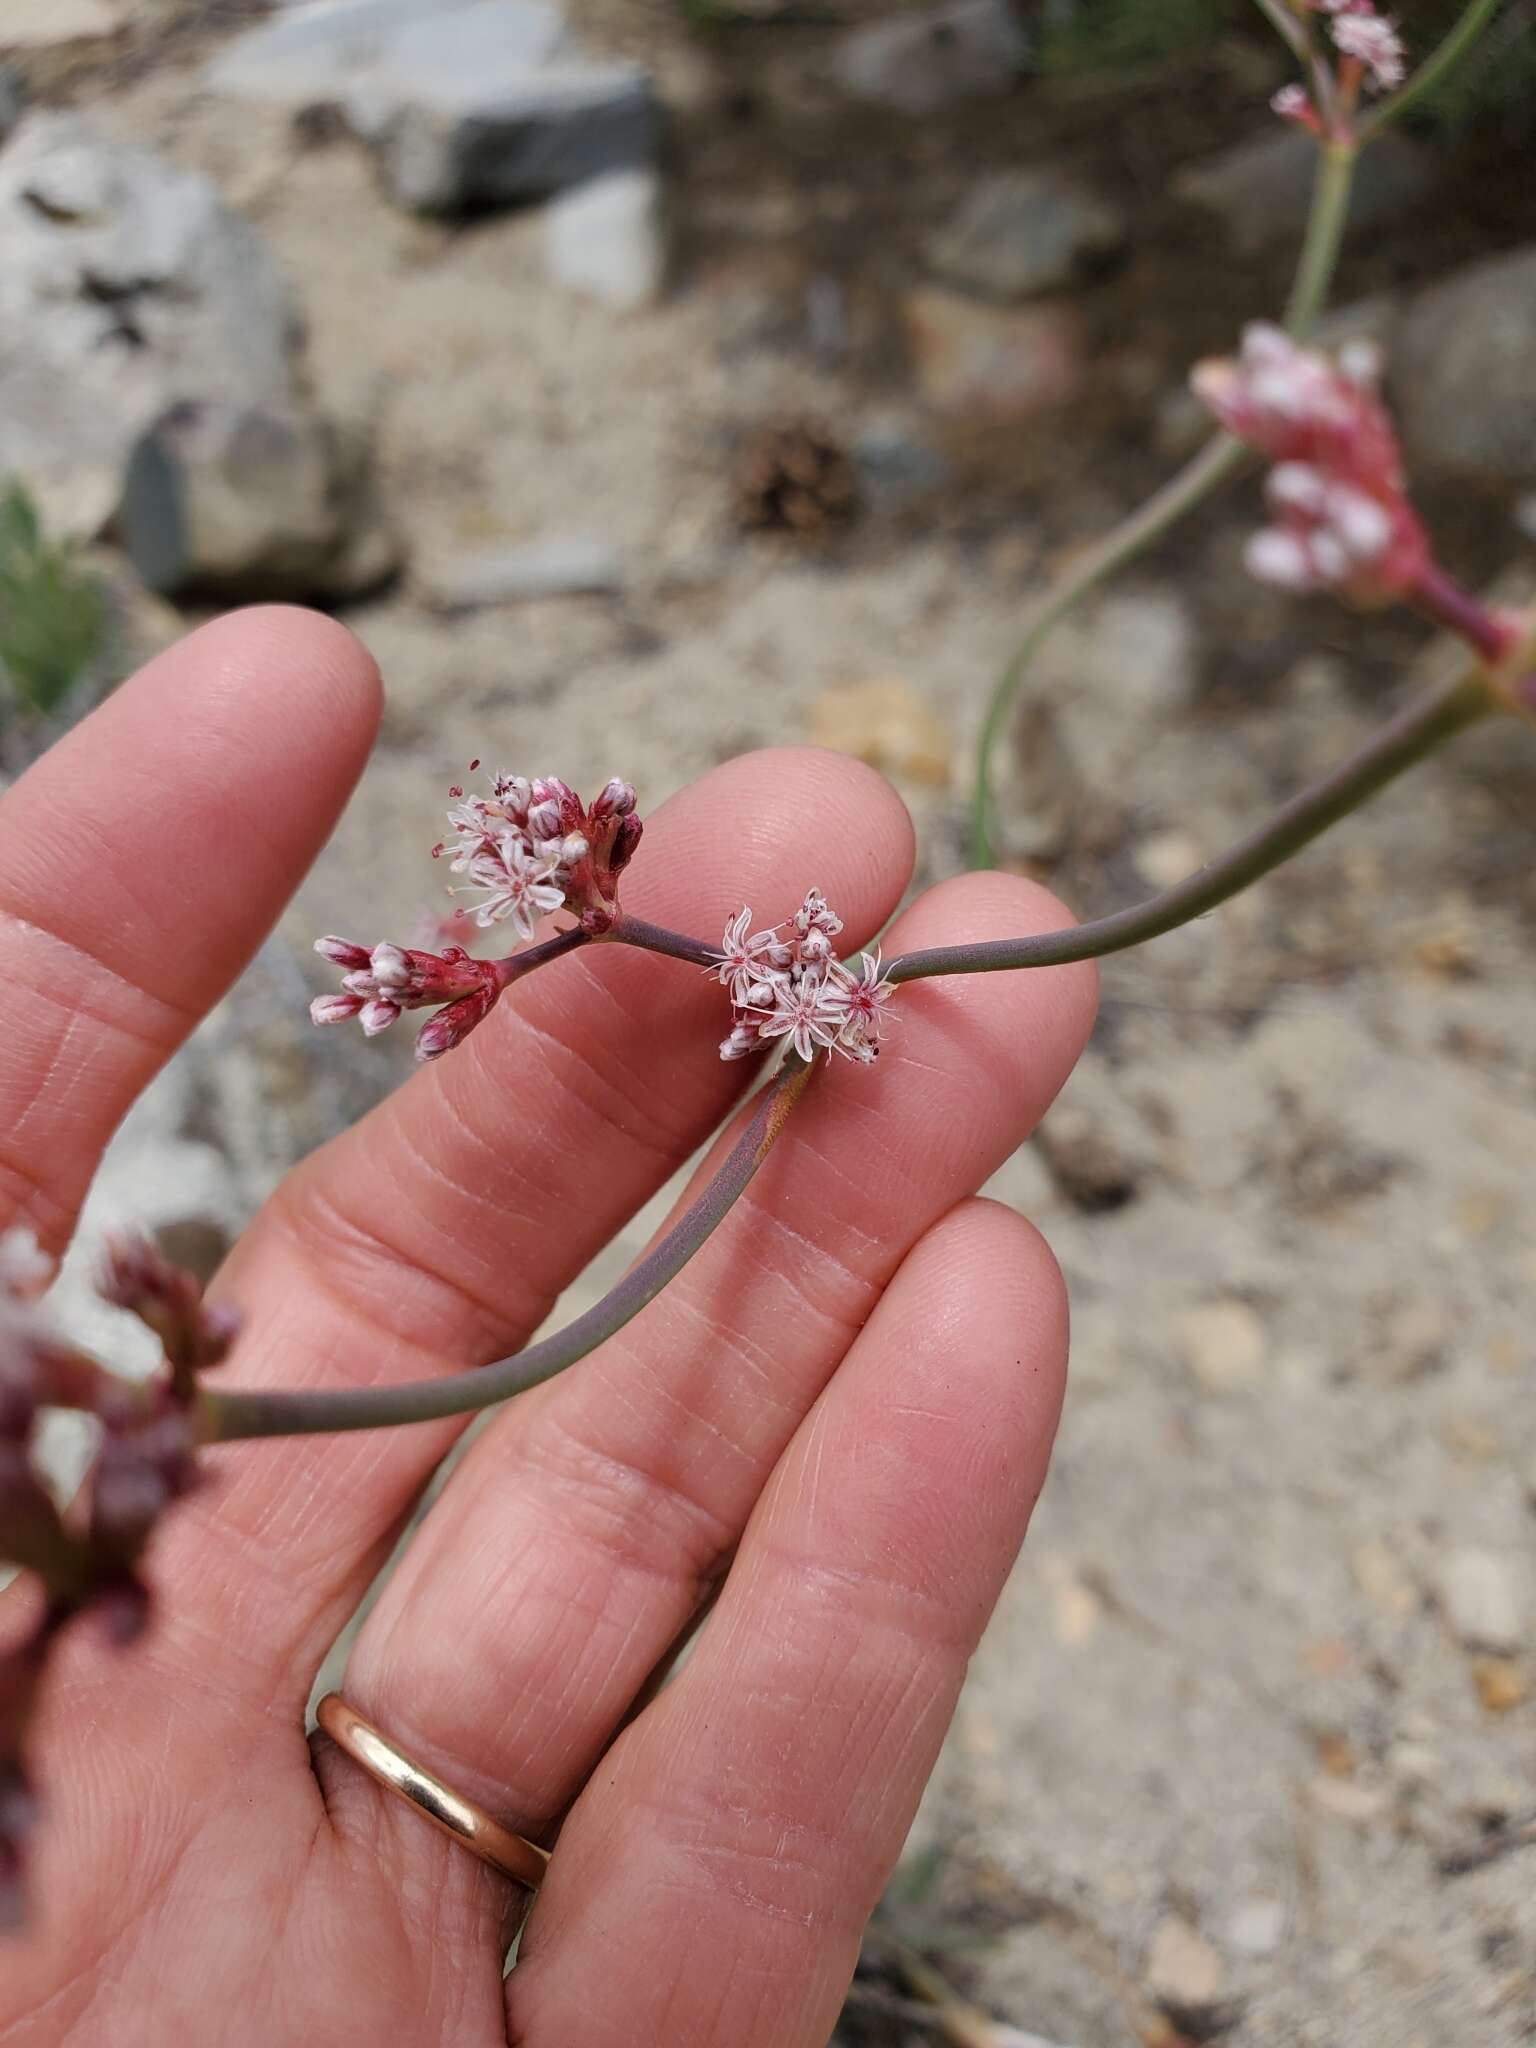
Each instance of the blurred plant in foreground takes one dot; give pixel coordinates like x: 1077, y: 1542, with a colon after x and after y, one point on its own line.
x: 52, y: 616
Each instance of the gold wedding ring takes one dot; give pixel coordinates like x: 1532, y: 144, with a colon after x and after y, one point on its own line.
x: 467, y: 1823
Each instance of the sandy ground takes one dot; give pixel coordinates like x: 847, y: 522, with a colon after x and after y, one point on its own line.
x: 1225, y: 1688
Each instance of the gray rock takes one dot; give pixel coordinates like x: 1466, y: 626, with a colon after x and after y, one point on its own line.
x: 54, y: 24
x: 13, y: 100
x: 934, y: 57
x: 1483, y: 1596
x: 125, y: 285
x: 1464, y: 371
x: 153, y: 374
x: 243, y: 501
x: 894, y: 461
x: 1262, y: 189
x: 573, y: 567
x: 607, y: 239
x: 1022, y: 232
x: 465, y: 102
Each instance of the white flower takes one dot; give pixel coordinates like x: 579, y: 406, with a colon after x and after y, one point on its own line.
x: 518, y: 884
x: 743, y: 959
x: 857, y: 999
x: 1373, y: 40
x: 803, y: 1013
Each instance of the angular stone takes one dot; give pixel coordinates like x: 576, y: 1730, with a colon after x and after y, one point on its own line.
x: 1462, y: 371
x: 242, y: 501
x: 607, y: 239
x: 314, y: 53
x: 517, y: 572
x: 1482, y: 1598
x: 1184, y: 1973
x: 1018, y: 233
x: 987, y: 363
x: 934, y: 57
x: 126, y: 286
x: 1262, y: 189
x: 456, y: 140
x: 13, y: 100
x: 52, y: 24
x: 466, y: 103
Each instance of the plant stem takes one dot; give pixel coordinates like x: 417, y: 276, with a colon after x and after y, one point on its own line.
x: 1434, y: 68
x: 1326, y: 218
x: 1441, y: 598
x: 1180, y: 495
x: 232, y: 1415
x: 516, y: 965
x: 655, y: 938
x: 1215, y: 461
x: 1415, y: 732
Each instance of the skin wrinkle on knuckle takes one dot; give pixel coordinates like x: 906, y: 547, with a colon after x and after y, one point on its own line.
x: 320, y: 1232
x: 600, y: 1096
x: 877, y: 1598
x: 28, y: 927
x: 640, y: 1515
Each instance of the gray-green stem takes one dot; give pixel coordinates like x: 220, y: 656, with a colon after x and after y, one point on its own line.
x: 1175, y: 499
x: 228, y: 1416
x: 1436, y: 66
x: 1416, y: 731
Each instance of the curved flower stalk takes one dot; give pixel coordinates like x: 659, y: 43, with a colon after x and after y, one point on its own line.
x: 1343, y: 47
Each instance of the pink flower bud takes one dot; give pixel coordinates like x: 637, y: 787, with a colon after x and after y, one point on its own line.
x: 334, y: 1009
x: 377, y: 1016
x: 342, y: 952
x: 450, y: 1027
x: 616, y: 801
x: 389, y: 965
x: 625, y: 840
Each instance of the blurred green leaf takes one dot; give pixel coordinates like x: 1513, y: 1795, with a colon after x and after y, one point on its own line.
x: 52, y: 617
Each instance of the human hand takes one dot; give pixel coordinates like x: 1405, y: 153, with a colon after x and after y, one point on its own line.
x: 848, y: 1398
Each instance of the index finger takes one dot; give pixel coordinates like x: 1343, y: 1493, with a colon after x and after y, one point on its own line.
x: 143, y: 860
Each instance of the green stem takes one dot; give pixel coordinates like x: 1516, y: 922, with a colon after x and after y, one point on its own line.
x: 1415, y: 732
x: 1434, y: 68
x: 1179, y: 496
x: 1324, y: 237
x: 232, y: 1415
x: 1216, y: 460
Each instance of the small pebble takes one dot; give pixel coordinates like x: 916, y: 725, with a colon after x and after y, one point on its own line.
x: 1481, y: 1596
x: 1223, y: 1345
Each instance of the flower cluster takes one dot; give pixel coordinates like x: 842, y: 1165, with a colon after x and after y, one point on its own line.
x: 1368, y: 39
x: 1370, y: 54
x: 1342, y: 520
x: 88, y: 1557
x: 377, y: 985
x: 529, y: 848
x: 533, y: 847
x: 787, y: 983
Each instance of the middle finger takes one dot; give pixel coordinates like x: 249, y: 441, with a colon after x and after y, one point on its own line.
x: 573, y: 1542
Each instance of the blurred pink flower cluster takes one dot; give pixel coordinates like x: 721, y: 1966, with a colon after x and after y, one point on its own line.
x: 1337, y: 491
